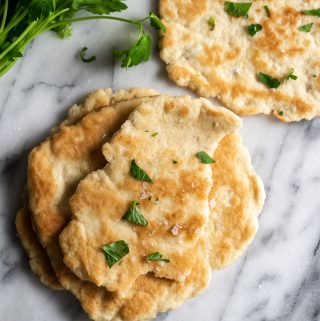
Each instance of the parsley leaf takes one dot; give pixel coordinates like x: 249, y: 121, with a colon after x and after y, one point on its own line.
x: 138, y: 173
x: 99, y: 6
x: 267, y: 10
x: 114, y: 252
x: 312, y: 12
x: 268, y: 80
x: 14, y: 54
x: 253, y: 29
x: 64, y: 31
x: 40, y: 9
x: 174, y: 162
x: 156, y: 22
x: 291, y: 75
x: 204, y: 158
x: 306, y: 28
x: 140, y: 51
x: 154, y: 134
x: 237, y: 9
x: 134, y: 216
x: 280, y: 113
x: 156, y: 256
x: 212, y: 23
x: 83, y: 53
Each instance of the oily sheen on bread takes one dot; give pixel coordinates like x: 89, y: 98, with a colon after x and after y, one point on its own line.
x: 224, y: 60
x: 177, y: 197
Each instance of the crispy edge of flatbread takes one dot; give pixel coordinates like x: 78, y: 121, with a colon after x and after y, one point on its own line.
x: 38, y: 259
x: 237, y: 199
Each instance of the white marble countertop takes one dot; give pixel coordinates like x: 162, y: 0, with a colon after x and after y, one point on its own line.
x: 278, y: 278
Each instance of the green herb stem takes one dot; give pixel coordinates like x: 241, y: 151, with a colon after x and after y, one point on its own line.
x: 66, y: 22
x: 15, y: 20
x: 19, y: 39
x: 4, y: 16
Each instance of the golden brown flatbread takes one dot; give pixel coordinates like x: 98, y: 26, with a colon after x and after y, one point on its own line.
x: 97, y: 302
x: 222, y: 60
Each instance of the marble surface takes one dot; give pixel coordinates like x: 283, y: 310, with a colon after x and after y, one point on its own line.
x: 278, y: 278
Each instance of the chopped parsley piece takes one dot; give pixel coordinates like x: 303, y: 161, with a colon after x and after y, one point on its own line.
x: 314, y: 76
x: 267, y: 10
x: 14, y: 54
x: 156, y: 22
x: 174, y: 162
x: 155, y: 134
x: 312, y: 12
x: 212, y: 23
x: 204, y: 158
x: 140, y: 51
x: 83, y: 53
x: 291, y: 75
x: 280, y: 113
x: 114, y: 252
x: 268, y: 80
x: 253, y: 29
x: 138, y: 173
x: 306, y: 28
x: 134, y: 216
x: 236, y: 9
x: 157, y: 257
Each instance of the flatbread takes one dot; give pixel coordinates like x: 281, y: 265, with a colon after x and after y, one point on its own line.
x: 236, y: 200
x: 38, y: 259
x: 224, y: 62
x: 176, y: 207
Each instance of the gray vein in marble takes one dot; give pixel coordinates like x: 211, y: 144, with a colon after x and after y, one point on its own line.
x: 49, y: 85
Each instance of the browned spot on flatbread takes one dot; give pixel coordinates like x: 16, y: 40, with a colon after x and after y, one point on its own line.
x: 189, y: 10
x: 216, y: 55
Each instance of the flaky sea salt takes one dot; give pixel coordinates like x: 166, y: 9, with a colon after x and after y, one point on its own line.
x: 145, y: 195
x: 175, y: 229
x: 212, y: 204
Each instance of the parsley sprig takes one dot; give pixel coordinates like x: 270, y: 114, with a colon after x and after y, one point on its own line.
x: 22, y: 21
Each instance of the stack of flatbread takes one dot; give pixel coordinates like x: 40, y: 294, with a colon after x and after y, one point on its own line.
x: 135, y: 198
